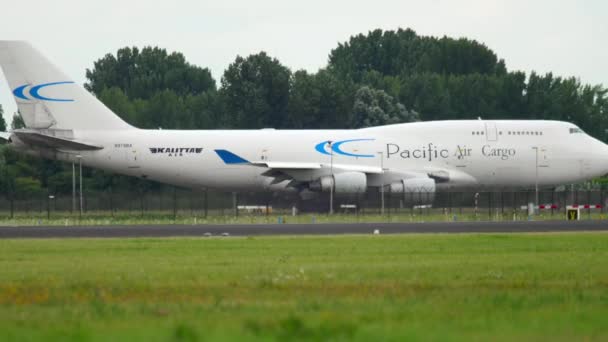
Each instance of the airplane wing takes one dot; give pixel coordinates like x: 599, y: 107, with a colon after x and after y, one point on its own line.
x: 231, y: 158
x: 299, y: 172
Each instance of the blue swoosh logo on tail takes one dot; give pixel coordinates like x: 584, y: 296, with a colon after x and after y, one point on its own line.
x: 35, y: 92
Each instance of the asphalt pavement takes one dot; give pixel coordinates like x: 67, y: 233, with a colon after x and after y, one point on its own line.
x: 296, y: 229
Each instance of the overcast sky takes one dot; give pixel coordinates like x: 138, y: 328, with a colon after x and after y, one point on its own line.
x: 567, y: 37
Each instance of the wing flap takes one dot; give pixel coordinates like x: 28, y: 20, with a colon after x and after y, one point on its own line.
x: 289, y: 165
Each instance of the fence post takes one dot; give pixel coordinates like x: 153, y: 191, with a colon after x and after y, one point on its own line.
x: 502, y: 204
x: 460, y: 205
x: 411, y: 204
x: 490, y: 205
x: 48, y: 206
x: 602, y: 202
x: 235, y: 204
x: 142, y: 193
x: 111, y: 201
x: 589, y: 203
x: 552, y: 201
x: 206, y: 208
x: 174, y: 203
x: 449, y: 202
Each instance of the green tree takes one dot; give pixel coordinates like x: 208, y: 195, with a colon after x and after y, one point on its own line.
x: 148, y: 88
x: 256, y: 91
x: 319, y: 100
x: 206, y: 110
x: 17, y: 121
x: 165, y: 110
x: 375, y: 108
x: 403, y: 52
x: 2, y: 121
x: 336, y: 101
x: 304, y: 99
x: 27, y: 187
x: 115, y: 99
x: 141, y: 74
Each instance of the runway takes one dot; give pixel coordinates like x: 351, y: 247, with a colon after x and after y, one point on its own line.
x: 297, y: 229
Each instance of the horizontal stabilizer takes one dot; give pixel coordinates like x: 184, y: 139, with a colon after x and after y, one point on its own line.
x: 42, y: 140
x: 4, y: 136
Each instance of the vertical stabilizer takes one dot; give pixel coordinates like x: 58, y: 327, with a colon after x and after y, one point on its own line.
x: 46, y: 97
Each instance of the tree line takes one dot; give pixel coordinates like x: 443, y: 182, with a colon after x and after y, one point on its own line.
x: 378, y: 78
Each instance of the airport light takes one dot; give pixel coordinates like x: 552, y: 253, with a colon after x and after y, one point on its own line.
x: 79, y: 157
x: 331, y: 172
x: 73, y: 187
x: 48, y: 206
x: 381, y: 183
x: 536, y: 180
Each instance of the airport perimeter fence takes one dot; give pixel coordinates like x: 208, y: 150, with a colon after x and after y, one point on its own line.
x: 198, y: 206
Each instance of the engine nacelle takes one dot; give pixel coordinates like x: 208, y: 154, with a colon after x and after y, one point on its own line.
x: 342, y: 183
x: 414, y: 191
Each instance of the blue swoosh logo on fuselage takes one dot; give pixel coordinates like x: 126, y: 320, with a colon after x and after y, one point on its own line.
x: 336, y: 147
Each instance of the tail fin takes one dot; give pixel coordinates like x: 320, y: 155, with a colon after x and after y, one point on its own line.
x: 46, y: 97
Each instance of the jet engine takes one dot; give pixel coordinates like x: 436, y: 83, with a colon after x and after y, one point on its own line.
x: 342, y: 183
x: 414, y: 191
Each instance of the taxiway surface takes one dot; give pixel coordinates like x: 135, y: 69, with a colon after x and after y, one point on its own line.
x: 297, y: 229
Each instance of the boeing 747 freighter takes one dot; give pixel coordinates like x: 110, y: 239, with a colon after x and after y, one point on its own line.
x: 65, y: 122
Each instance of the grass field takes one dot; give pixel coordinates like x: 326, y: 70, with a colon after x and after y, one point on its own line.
x: 425, y: 287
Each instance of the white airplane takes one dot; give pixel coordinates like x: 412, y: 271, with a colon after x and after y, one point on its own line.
x: 67, y: 123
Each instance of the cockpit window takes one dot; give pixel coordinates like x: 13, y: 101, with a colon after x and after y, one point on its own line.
x: 576, y: 130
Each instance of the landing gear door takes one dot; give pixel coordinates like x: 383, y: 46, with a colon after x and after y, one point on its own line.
x: 491, y: 131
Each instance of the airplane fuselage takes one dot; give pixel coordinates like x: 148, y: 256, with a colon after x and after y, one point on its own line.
x: 469, y: 153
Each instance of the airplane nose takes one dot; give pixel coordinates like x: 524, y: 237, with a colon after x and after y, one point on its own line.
x: 601, y: 158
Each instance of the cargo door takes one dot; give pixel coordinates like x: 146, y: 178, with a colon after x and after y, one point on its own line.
x: 131, y: 157
x: 544, y: 159
x: 491, y: 131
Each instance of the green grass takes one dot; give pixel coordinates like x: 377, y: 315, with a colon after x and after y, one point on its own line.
x: 422, y: 287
